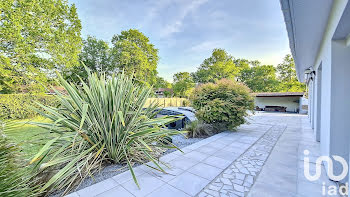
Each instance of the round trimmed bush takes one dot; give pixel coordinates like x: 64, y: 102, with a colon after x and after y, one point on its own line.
x: 223, y: 104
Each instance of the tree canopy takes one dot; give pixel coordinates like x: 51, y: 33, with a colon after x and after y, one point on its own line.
x: 133, y: 52
x: 183, y: 84
x: 260, y: 78
x: 220, y: 65
x: 95, y: 55
x: 161, y: 83
x: 288, y: 77
x: 37, y: 37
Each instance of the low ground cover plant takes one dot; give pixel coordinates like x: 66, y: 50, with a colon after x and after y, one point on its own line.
x: 223, y: 104
x: 97, y: 122
x: 199, y: 129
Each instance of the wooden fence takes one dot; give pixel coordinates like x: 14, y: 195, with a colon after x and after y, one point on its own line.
x: 169, y: 102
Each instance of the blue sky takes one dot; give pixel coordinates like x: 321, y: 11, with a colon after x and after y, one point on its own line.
x: 186, y: 31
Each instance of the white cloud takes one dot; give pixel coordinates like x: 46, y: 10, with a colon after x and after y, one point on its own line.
x: 185, y: 9
x: 155, y: 10
x: 208, y: 45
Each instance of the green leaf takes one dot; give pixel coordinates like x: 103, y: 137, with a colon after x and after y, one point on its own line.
x: 68, y: 167
x: 43, y: 149
x: 120, y: 114
x: 84, y: 113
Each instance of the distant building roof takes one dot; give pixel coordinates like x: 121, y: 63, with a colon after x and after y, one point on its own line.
x: 58, y: 88
x: 278, y: 94
x: 163, y: 89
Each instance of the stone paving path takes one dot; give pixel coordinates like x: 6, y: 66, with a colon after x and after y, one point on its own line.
x: 261, y: 159
x: 189, y: 172
x: 283, y: 172
x: 238, y: 178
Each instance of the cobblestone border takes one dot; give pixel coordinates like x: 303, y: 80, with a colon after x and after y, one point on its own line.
x: 238, y: 178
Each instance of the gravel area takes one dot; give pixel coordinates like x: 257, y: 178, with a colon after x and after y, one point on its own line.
x: 111, y: 170
x: 181, y: 141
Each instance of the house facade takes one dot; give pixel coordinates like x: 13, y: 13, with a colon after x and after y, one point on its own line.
x: 319, y: 35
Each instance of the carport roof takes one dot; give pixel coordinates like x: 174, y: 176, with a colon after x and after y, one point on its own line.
x: 278, y: 94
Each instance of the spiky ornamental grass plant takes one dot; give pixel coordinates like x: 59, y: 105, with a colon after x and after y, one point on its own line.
x: 101, y: 120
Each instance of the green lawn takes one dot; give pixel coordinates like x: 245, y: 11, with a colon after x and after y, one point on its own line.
x: 29, y: 137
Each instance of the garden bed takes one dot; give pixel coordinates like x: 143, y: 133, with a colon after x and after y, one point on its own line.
x: 114, y: 169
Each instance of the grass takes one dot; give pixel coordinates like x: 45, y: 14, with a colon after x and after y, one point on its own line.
x: 29, y: 137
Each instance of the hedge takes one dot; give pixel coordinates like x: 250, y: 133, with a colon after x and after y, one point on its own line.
x: 19, y: 106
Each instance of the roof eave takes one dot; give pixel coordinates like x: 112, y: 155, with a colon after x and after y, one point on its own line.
x: 286, y: 7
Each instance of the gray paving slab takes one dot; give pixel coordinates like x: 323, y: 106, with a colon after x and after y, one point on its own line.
x: 196, y: 155
x: 227, y: 155
x: 116, y: 191
x: 184, y: 162
x: 98, y: 188
x: 217, y: 162
x: 206, y: 171
x: 170, y: 174
x: 189, y: 183
x: 74, y: 194
x: 267, y: 190
x: 168, y: 191
x: 126, y: 176
x: 169, y: 157
x: 147, y: 182
x: 209, y: 150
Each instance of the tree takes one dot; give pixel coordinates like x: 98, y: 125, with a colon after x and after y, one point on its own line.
x: 243, y: 64
x: 183, y: 84
x: 220, y: 65
x: 133, y: 53
x: 288, y: 77
x: 286, y: 69
x: 95, y: 55
x: 260, y: 78
x: 37, y: 37
x: 161, y: 83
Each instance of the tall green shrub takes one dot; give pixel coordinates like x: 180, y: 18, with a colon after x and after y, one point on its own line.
x: 19, y: 106
x: 101, y: 121
x: 223, y: 104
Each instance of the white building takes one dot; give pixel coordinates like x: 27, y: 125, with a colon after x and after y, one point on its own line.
x: 319, y: 35
x: 289, y: 101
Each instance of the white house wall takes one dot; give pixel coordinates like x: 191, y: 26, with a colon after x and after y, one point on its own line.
x: 326, y: 101
x: 318, y: 103
x: 303, y: 102
x: 340, y: 104
x: 313, y: 98
x: 288, y: 102
x: 334, y: 97
x: 319, y: 35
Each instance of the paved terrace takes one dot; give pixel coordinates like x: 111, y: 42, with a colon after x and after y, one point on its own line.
x: 264, y: 158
